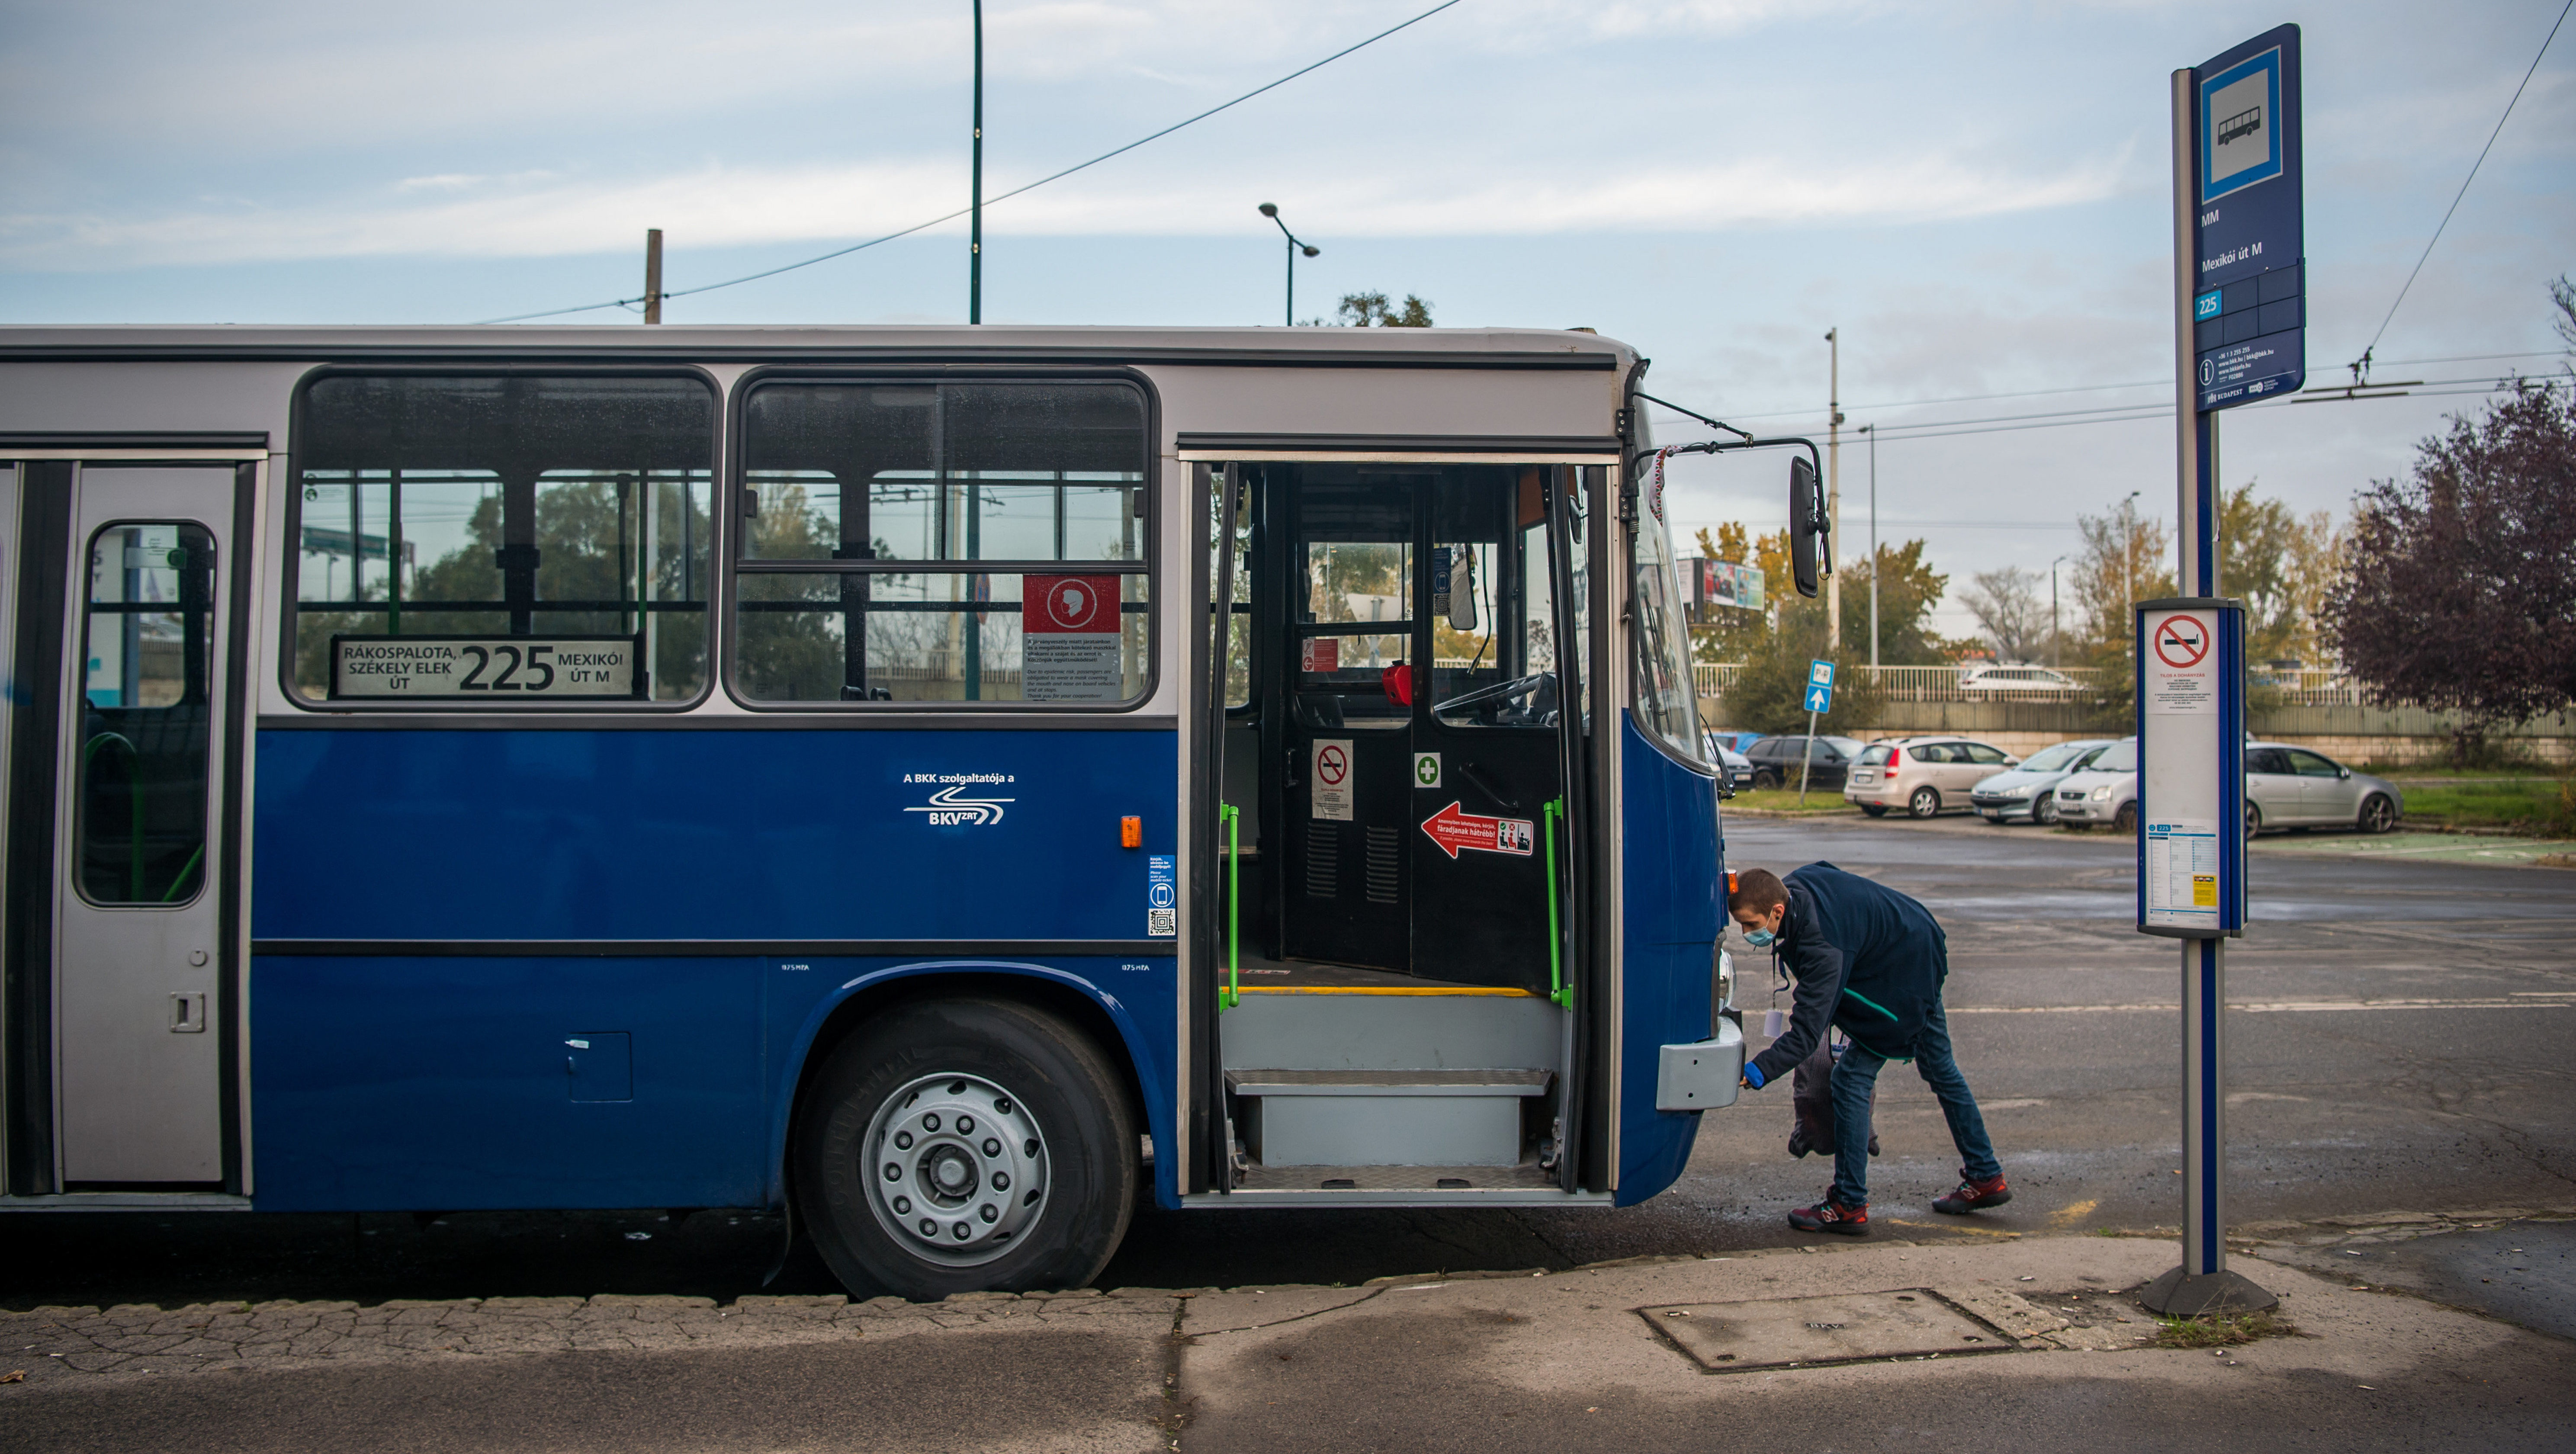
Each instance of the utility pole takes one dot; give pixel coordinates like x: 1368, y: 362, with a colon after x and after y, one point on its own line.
x: 1834, y: 493
x: 1872, y: 431
x: 652, y: 275
x: 975, y: 226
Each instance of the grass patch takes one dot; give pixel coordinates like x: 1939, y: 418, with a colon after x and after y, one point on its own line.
x: 2221, y: 1330
x: 2533, y: 804
x: 1785, y: 800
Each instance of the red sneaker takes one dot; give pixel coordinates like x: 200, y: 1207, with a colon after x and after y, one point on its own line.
x: 1832, y: 1216
x: 1972, y: 1195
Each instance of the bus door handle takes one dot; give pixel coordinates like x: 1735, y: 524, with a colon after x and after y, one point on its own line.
x: 1559, y: 993
x: 1232, y: 818
x: 1477, y: 779
x: 1294, y: 775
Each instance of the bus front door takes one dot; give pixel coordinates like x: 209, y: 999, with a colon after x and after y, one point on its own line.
x: 1487, y: 770
x: 127, y: 743
x: 1423, y: 751
x: 1349, y: 575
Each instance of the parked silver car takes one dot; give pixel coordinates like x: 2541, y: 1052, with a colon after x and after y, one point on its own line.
x: 2285, y: 787
x: 2028, y: 793
x: 2299, y: 787
x: 2105, y: 791
x: 1922, y: 775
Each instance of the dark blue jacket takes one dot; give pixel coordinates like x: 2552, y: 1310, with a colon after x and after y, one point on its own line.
x: 1866, y: 958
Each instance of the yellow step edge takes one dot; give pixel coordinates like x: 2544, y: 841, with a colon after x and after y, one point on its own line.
x: 1257, y: 989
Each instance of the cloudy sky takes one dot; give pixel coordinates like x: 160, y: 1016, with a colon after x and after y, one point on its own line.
x: 1975, y: 195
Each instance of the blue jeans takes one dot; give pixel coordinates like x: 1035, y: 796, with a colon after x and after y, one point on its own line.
x: 1856, y: 1077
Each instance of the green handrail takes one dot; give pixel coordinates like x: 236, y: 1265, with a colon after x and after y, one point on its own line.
x: 1232, y: 817
x: 134, y: 799
x: 1559, y: 993
x: 185, y: 869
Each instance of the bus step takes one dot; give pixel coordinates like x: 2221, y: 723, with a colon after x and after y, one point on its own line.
x: 1446, y: 1119
x: 1472, y: 1179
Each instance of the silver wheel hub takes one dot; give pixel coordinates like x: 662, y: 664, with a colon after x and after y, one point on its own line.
x: 956, y: 1169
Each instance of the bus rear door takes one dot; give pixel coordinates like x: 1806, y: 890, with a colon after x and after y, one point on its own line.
x: 117, y: 851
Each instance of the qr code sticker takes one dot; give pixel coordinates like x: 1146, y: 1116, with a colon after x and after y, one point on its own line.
x: 1162, y: 923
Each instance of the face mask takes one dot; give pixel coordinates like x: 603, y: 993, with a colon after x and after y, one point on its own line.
x: 1759, y: 938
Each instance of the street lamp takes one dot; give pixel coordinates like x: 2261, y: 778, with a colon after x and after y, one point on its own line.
x: 2056, y: 638
x: 1271, y: 211
x: 1872, y: 431
x: 2129, y: 556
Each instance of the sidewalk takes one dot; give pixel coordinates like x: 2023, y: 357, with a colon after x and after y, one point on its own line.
x: 2014, y: 1343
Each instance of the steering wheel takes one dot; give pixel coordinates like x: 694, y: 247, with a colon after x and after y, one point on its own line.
x: 1490, y: 697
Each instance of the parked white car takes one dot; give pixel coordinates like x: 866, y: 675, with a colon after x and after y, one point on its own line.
x: 2016, y: 679
x: 2106, y: 791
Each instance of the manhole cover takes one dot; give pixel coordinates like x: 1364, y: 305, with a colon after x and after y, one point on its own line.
x: 1726, y: 1337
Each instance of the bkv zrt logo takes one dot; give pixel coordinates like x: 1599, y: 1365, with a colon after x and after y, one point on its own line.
x: 950, y: 807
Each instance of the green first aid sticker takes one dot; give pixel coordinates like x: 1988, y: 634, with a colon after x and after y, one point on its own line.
x: 1426, y: 769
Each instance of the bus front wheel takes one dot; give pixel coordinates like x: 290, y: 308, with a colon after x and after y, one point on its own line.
x: 963, y: 1146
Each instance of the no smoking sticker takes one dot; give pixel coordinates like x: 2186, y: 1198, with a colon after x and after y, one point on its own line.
x: 1331, y: 792
x: 2181, y: 672
x: 2182, y: 642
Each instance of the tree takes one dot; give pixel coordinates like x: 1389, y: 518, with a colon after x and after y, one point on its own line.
x: 2257, y: 540
x: 2458, y: 593
x: 1769, y: 694
x: 2563, y: 294
x: 1908, y: 589
x: 2125, y: 559
x: 2009, y: 610
x: 2317, y: 547
x: 1365, y: 310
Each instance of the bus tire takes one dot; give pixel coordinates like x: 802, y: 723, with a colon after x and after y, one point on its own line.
x: 1033, y: 1193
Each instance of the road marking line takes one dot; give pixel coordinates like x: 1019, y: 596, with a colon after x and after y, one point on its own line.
x: 2279, y: 1007
x: 2073, y: 1212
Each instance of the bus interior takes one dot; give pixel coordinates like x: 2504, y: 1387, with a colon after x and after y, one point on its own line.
x: 1394, y: 769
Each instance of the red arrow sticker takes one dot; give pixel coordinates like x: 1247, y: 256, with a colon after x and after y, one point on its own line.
x: 1454, y: 830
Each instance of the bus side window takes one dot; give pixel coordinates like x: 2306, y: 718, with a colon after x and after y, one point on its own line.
x: 147, y: 645
x: 505, y: 522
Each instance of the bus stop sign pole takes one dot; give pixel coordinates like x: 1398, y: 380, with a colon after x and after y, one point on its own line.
x: 2239, y: 335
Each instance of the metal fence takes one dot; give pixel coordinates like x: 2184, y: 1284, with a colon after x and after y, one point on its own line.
x: 2288, y: 688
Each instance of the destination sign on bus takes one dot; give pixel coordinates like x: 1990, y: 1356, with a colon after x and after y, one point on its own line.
x: 485, y: 668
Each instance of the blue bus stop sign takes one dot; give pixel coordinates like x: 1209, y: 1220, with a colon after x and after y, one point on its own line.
x: 2249, y: 301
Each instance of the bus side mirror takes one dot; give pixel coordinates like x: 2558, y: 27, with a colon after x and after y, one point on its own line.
x: 1806, y: 524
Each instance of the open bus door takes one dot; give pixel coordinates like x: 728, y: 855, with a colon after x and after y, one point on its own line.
x: 1397, y: 807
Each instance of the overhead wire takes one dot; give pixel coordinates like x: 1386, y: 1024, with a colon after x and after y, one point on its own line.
x: 1004, y: 197
x: 2361, y: 365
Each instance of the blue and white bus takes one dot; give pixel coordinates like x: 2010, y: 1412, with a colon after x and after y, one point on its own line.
x: 946, y: 783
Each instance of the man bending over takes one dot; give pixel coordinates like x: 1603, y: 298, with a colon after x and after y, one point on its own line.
x: 1872, y: 961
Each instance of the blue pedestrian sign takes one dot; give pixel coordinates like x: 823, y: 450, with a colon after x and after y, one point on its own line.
x: 2249, y: 290
x: 1820, y: 699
